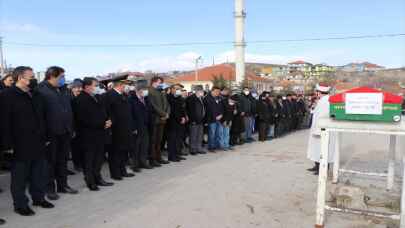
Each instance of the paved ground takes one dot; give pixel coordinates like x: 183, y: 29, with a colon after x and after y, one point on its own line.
x: 257, y: 185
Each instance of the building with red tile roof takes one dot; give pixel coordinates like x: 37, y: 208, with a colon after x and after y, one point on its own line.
x: 206, y: 75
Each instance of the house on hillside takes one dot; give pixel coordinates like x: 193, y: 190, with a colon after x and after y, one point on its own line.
x: 205, y: 77
x: 322, y: 69
x: 300, y: 66
x: 268, y: 70
x: 361, y: 67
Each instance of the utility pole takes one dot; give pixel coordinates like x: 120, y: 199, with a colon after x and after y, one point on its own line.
x: 240, y: 44
x: 2, y: 67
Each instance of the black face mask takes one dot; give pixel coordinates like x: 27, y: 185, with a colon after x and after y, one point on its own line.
x: 33, y: 84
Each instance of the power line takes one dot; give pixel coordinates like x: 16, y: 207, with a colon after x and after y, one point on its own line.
x: 203, y: 43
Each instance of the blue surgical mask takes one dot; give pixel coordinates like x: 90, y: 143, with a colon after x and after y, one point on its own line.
x: 61, y: 81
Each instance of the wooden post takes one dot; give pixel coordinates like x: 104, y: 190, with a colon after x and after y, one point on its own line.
x: 323, y: 177
x: 391, y: 162
x: 336, y: 164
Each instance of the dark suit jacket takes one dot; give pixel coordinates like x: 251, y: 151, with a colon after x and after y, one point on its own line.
x: 90, y: 117
x: 119, y: 111
x: 195, y: 109
x: 214, y: 107
x: 22, y: 125
x: 140, y: 113
x: 57, y: 108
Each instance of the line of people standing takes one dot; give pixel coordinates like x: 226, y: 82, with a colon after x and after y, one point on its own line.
x: 130, y: 124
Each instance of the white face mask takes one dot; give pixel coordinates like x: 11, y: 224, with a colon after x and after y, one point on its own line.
x: 98, y: 91
x: 246, y: 92
x: 200, y: 94
x: 145, y: 93
x: 177, y: 93
x: 131, y: 88
x: 126, y: 89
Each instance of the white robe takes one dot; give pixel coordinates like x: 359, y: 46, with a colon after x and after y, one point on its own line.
x: 314, y: 142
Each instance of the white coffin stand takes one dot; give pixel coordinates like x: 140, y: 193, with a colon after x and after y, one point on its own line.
x: 327, y: 126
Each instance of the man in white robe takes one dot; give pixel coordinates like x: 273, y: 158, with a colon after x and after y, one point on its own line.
x: 314, y: 143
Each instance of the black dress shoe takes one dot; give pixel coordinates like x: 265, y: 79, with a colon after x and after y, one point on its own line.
x: 136, y: 169
x: 52, y: 196
x: 1, y: 190
x: 174, y: 160
x: 93, y: 187
x: 104, y: 183
x: 312, y: 169
x: 145, y: 166
x: 193, y: 153
x: 43, y: 204
x: 2, y: 222
x: 155, y: 164
x: 70, y: 172
x: 117, y: 178
x: 24, y: 211
x: 67, y: 190
x: 163, y: 162
x: 128, y: 175
x: 202, y: 152
x: 181, y: 158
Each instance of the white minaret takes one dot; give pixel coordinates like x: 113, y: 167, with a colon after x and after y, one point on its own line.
x: 240, y: 44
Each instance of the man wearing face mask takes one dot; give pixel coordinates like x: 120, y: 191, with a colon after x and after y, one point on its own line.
x: 176, y: 123
x: 119, y: 112
x: 140, y: 111
x: 215, y: 114
x: 160, y: 112
x: 229, y: 112
x: 76, y: 153
x: 59, y: 124
x: 23, y: 131
x: 196, y: 112
x: 264, y: 117
x: 246, y: 113
x: 91, y: 124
